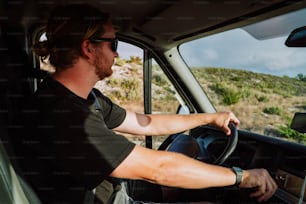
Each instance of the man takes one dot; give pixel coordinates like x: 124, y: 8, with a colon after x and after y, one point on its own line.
x: 72, y: 148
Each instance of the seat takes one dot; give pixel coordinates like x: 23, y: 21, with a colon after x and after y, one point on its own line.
x: 13, y: 189
x: 13, y: 87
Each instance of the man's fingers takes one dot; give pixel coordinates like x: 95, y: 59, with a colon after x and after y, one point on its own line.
x: 265, y: 191
x: 227, y: 130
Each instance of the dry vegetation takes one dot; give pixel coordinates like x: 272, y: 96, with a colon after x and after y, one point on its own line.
x: 262, y: 102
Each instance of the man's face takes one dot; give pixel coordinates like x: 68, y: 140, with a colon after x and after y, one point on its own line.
x: 104, y: 55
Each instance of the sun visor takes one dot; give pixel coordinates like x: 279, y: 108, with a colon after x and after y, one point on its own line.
x: 277, y: 26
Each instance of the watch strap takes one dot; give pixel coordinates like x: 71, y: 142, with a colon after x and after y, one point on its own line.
x: 239, y: 173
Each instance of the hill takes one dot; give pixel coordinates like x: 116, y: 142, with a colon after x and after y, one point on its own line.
x: 254, y: 98
x: 264, y: 103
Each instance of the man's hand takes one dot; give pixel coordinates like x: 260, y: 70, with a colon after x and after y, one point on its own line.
x: 262, y: 181
x: 222, y: 120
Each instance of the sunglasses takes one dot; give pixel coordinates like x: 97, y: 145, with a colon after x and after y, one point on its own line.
x: 113, y: 41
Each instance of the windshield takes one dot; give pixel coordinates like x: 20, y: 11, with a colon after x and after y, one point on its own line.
x: 251, y: 72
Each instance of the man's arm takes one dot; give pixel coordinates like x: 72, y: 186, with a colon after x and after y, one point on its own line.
x: 157, y: 124
x: 178, y: 170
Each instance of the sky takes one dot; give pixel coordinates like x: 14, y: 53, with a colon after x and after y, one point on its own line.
x: 267, y: 56
x: 238, y: 49
x: 126, y: 50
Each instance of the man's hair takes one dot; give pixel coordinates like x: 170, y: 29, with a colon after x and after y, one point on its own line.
x: 68, y: 26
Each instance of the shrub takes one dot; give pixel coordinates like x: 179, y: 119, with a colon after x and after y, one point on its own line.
x: 113, y: 82
x: 287, y: 132
x: 262, y: 98
x: 135, y: 59
x: 130, y: 84
x: 230, y: 97
x: 301, y: 77
x: 159, y: 80
x: 272, y: 110
x: 116, y: 95
x: 119, y: 61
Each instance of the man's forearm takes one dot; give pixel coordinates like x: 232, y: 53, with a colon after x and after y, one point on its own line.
x: 173, y: 169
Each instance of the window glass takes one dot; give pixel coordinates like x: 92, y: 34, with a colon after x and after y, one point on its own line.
x: 165, y: 98
x: 45, y: 65
x: 125, y: 86
x: 251, y: 72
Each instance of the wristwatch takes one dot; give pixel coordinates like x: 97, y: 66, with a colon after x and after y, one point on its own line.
x: 239, y: 173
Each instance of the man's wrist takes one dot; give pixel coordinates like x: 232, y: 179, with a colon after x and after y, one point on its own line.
x: 239, y: 174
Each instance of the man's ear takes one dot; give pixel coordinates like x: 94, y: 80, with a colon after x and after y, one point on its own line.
x: 87, y: 49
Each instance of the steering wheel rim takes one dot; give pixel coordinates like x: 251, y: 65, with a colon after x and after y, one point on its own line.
x: 230, y: 146
x: 228, y: 150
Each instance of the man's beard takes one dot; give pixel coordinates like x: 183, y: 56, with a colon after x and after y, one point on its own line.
x: 100, y: 70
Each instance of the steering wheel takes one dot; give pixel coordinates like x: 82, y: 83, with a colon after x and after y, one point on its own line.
x: 206, y: 143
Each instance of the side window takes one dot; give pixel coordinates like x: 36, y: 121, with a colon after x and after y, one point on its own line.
x: 126, y: 86
x: 165, y: 99
x: 258, y: 78
x: 46, y: 66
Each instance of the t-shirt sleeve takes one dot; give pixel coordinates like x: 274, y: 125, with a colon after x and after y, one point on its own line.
x: 113, y: 114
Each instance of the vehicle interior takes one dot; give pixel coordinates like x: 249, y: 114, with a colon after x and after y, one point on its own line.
x: 159, y: 28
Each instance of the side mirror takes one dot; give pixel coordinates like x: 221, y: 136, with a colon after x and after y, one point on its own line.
x: 297, y: 38
x: 299, y: 122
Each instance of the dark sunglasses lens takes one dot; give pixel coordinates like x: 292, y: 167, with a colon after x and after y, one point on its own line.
x: 114, y: 45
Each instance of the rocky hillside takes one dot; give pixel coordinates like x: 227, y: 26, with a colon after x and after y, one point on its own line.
x: 254, y: 98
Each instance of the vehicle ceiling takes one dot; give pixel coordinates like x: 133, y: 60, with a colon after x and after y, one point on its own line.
x: 160, y: 22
